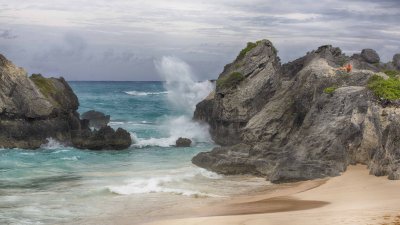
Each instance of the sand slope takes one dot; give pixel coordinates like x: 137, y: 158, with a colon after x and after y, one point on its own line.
x: 353, y: 198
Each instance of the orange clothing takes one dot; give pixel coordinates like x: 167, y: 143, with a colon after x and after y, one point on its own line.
x: 349, y: 67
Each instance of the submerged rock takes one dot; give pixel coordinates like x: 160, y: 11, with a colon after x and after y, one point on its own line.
x: 183, y: 142
x: 96, y: 119
x: 279, y: 122
x: 35, y: 108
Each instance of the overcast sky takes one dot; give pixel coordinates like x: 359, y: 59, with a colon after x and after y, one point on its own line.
x: 121, y: 39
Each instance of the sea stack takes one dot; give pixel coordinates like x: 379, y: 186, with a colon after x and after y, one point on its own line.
x: 302, y: 120
x: 35, y: 108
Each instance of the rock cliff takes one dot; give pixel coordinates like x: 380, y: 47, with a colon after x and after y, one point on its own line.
x: 302, y: 120
x: 35, y: 108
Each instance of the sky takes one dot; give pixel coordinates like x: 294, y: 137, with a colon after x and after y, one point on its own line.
x: 121, y: 39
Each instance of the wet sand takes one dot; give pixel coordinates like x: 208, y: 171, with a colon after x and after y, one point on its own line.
x: 352, y: 198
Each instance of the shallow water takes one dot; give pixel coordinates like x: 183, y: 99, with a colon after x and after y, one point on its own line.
x: 58, y: 184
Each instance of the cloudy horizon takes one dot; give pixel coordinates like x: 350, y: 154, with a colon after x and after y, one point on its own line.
x: 121, y: 39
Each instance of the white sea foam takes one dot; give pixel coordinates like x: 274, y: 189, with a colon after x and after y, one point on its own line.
x: 115, y: 123
x: 140, y: 93
x: 72, y: 158
x: 165, y: 184
x: 52, y: 144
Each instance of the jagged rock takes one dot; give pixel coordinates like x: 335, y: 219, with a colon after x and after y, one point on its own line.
x: 183, y: 142
x: 279, y: 123
x: 396, y: 61
x: 104, y: 138
x: 35, y: 108
x: 370, y: 55
x: 96, y: 119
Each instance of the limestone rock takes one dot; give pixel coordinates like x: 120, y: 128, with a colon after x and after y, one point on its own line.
x: 279, y: 123
x: 35, y: 108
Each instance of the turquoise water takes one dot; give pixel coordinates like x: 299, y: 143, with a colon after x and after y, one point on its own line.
x: 63, y: 185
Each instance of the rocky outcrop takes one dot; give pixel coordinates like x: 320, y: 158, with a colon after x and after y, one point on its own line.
x: 370, y: 56
x: 104, y: 138
x: 35, y: 108
x: 302, y: 120
x: 183, y: 142
x: 96, y: 119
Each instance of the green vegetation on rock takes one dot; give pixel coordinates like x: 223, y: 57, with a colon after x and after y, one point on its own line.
x: 249, y: 47
x: 388, y: 89
x: 391, y: 73
x: 45, y: 85
x: 231, y: 80
x: 330, y: 90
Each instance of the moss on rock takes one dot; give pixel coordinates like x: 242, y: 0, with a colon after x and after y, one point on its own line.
x: 230, y: 81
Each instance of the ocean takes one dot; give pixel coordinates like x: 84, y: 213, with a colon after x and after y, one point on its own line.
x: 63, y: 185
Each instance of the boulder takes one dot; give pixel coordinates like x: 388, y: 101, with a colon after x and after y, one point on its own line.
x: 396, y: 61
x: 105, y: 138
x: 370, y: 56
x: 280, y: 122
x: 183, y: 142
x: 96, y: 119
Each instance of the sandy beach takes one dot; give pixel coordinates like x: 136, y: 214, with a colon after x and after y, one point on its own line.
x: 353, y: 198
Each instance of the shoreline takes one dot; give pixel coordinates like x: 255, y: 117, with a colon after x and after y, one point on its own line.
x: 353, y: 198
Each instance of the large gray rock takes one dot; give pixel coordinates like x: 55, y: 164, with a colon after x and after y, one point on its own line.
x: 35, y: 108
x: 370, y: 55
x: 396, y: 61
x: 296, y: 131
x: 96, y: 119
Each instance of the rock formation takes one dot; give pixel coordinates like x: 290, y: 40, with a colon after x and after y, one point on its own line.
x: 96, y: 119
x: 301, y: 120
x: 183, y: 142
x: 35, y: 108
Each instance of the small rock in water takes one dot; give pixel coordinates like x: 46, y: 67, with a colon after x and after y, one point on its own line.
x: 183, y: 142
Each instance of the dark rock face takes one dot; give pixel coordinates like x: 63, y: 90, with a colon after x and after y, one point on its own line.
x: 35, y: 108
x: 396, y: 61
x: 370, y: 56
x: 104, y: 138
x: 280, y: 124
x: 183, y: 142
x: 96, y: 119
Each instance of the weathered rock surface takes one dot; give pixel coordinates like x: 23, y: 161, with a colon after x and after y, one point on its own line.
x: 183, y: 142
x: 396, y: 61
x: 279, y: 123
x: 370, y: 56
x: 96, y: 119
x: 35, y: 108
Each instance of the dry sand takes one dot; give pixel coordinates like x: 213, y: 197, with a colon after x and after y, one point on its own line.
x: 353, y: 198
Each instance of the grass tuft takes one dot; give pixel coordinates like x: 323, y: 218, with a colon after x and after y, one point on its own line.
x: 232, y: 80
x: 388, y: 89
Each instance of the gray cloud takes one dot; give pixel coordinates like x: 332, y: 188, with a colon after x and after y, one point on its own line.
x: 7, y: 34
x: 99, y: 40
